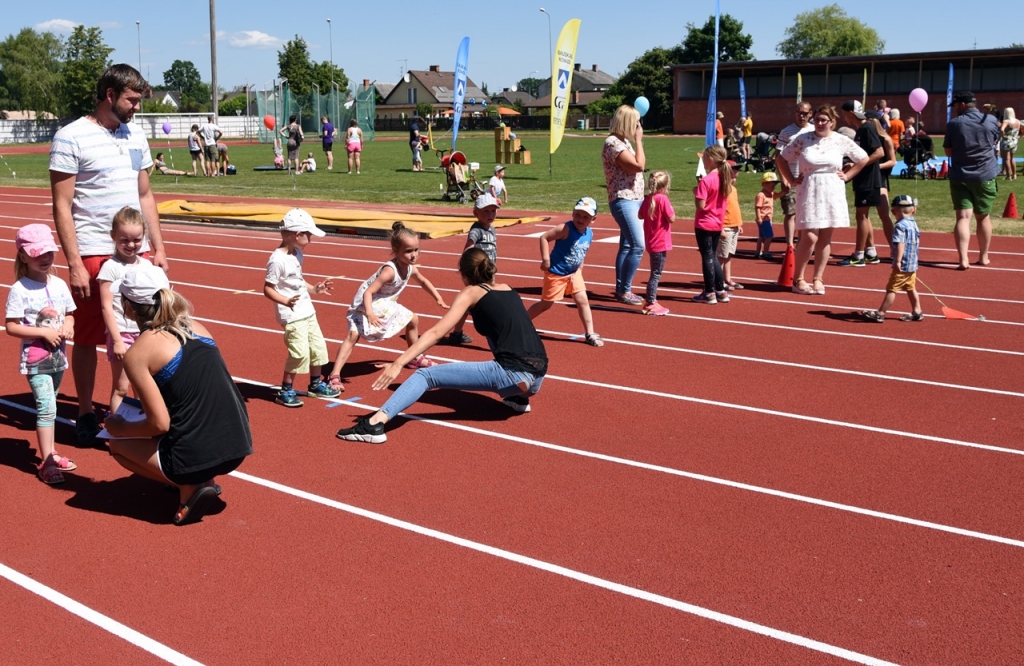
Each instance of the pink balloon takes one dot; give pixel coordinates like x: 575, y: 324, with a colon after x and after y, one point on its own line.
x: 166, y: 128
x: 918, y: 99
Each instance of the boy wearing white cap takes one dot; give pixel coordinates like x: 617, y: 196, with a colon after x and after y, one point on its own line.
x: 481, y: 236
x: 496, y: 185
x: 285, y: 286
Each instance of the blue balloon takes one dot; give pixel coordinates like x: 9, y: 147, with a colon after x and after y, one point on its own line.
x: 472, y: 100
x: 485, y: 104
x: 642, y: 105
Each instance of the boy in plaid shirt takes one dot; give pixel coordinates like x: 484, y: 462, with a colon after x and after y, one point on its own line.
x: 906, y: 238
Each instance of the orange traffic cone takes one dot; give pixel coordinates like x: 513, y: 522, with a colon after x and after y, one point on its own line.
x: 1011, y: 207
x: 788, y: 268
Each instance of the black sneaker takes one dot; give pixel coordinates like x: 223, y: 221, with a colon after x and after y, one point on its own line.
x: 872, y: 259
x: 517, y: 403
x: 456, y: 338
x: 364, y: 431
x: 87, y: 426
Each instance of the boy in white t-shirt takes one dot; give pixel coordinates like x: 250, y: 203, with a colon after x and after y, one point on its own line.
x: 285, y: 285
x: 308, y: 164
x: 496, y: 185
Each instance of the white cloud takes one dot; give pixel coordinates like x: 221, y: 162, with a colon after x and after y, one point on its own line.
x: 108, y: 25
x: 57, y: 25
x: 254, y: 39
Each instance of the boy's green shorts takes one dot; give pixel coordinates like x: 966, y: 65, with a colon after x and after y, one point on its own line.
x: 977, y: 195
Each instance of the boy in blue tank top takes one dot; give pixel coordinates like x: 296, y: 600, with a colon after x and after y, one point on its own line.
x: 562, y: 266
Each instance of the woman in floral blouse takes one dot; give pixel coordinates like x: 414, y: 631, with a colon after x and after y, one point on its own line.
x: 623, y: 171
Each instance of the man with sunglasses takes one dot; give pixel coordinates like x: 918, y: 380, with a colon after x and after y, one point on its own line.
x: 801, y: 124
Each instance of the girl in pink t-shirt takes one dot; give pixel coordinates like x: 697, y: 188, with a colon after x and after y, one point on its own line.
x: 657, y: 213
x: 710, y: 197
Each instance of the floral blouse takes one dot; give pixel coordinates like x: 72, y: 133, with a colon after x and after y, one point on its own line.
x: 621, y: 185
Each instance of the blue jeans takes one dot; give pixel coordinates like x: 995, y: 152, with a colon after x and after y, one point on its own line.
x: 631, y: 242
x: 44, y: 390
x: 485, y: 376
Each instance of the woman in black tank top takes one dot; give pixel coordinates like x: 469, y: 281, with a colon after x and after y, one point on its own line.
x: 515, y: 374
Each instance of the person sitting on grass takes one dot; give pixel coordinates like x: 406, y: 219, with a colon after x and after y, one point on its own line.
x: 516, y: 373
x: 161, y: 166
x: 906, y: 238
x: 308, y: 164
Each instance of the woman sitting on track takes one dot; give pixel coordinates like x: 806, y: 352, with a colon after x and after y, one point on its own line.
x: 515, y: 374
x: 196, y: 425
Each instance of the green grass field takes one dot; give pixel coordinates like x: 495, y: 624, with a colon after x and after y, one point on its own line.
x: 387, y: 176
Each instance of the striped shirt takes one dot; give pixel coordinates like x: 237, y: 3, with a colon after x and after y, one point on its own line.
x: 905, y: 231
x: 106, y: 166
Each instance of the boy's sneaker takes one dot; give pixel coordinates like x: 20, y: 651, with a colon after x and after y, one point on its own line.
x: 517, y: 403
x: 288, y: 398
x: 364, y: 431
x: 872, y: 259
x: 853, y: 261
x: 87, y: 426
x: 722, y: 296
x: 655, y: 309
x: 322, y: 390
x: 456, y: 338
x: 705, y: 297
x: 629, y: 298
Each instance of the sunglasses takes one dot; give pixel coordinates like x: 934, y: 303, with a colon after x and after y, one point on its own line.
x: 803, y: 113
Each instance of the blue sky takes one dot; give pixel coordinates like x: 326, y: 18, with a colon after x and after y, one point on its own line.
x: 507, y: 43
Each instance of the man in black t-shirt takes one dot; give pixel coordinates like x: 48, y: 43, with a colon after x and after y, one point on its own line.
x: 867, y: 186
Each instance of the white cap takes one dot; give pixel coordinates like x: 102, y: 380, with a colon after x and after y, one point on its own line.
x: 587, y: 205
x: 299, y: 220
x: 498, y: 168
x: 142, y: 282
x: 485, y: 200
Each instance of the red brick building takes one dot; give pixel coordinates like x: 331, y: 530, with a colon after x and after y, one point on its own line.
x: 996, y: 76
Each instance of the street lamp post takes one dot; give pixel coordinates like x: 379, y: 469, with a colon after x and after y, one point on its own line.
x: 138, y: 36
x: 315, y: 85
x: 551, y: 86
x: 330, y: 39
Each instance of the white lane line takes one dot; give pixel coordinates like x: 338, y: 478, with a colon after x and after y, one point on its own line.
x: 571, y: 574
x: 610, y: 239
x: 102, y: 621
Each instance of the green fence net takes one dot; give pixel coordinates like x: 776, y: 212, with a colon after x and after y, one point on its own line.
x: 340, y: 107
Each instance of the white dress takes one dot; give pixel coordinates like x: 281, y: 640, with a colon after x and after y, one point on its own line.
x: 821, y: 197
x: 393, y: 316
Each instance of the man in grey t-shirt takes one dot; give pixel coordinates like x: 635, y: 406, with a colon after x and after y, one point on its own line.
x: 801, y: 124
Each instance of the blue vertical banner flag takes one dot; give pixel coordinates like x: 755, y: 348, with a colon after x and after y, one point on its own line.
x: 949, y: 94
x: 743, y: 98
x: 709, y: 127
x: 461, y: 68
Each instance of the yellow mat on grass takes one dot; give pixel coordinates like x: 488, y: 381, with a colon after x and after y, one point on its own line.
x: 337, y: 220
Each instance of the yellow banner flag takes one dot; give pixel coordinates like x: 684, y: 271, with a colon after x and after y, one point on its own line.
x: 799, y: 88
x: 561, y: 79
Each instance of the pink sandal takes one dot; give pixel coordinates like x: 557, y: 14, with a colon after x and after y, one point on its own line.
x: 65, y: 464
x: 420, y: 361
x: 49, y: 471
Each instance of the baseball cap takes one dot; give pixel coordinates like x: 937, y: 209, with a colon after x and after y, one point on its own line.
x: 903, y: 200
x: 35, y: 239
x: 485, y: 200
x: 963, y: 96
x: 854, y: 107
x: 769, y: 177
x: 142, y: 282
x: 498, y: 168
x: 587, y: 205
x: 299, y: 220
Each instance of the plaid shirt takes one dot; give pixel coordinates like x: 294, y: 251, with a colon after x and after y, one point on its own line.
x: 906, y: 232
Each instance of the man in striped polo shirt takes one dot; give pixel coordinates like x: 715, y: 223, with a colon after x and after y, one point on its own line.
x: 98, y: 164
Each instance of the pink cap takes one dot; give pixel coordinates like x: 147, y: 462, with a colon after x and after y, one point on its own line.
x: 35, y: 239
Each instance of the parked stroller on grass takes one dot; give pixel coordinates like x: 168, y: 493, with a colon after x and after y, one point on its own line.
x: 460, y: 178
x: 763, y: 157
x: 916, y: 154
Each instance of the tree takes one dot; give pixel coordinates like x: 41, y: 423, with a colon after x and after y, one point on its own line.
x: 424, y: 110
x: 184, y: 77
x: 827, y: 32
x: 483, y: 87
x: 647, y: 76
x: 529, y: 85
x: 228, y: 107
x: 86, y: 57
x: 30, y: 71
x: 605, y: 106
x: 322, y: 77
x: 293, y: 63
x: 733, y: 45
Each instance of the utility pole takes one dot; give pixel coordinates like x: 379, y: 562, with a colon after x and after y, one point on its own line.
x: 213, y: 55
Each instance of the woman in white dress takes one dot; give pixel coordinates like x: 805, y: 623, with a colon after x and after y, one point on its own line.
x: 821, y: 198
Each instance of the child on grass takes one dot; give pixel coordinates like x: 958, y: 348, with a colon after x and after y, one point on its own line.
x: 39, y: 312
x: 732, y: 227
x: 764, y: 209
x: 481, y: 236
x: 658, y: 215
x: 376, y: 314
x: 308, y: 164
x: 496, y: 185
x: 285, y: 286
x: 128, y: 231
x: 563, y: 275
x: 906, y: 238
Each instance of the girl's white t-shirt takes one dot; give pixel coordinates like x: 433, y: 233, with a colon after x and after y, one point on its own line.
x: 113, y: 271
x: 40, y: 304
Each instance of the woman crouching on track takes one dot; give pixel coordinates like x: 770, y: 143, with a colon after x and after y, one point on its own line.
x: 196, y: 426
x: 515, y: 374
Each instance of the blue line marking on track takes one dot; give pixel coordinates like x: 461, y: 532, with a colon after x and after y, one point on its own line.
x: 338, y: 404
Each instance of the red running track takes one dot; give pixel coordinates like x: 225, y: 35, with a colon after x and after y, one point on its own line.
x: 764, y: 481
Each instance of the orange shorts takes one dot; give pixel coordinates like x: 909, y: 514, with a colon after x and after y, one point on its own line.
x: 557, y: 286
x: 89, y: 326
x: 900, y: 281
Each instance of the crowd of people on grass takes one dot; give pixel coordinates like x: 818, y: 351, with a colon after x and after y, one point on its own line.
x: 190, y: 423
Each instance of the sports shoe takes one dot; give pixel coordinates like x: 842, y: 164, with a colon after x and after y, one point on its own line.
x: 87, y: 426
x: 853, y: 261
x: 705, y: 297
x: 321, y: 390
x: 364, y: 431
x: 517, y: 403
x: 288, y: 398
x: 655, y: 309
x: 872, y: 259
x: 722, y: 296
x: 456, y: 338
x: 629, y: 298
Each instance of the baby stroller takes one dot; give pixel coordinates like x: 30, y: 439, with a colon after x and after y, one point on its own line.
x: 916, y: 154
x: 460, y: 177
x: 763, y: 157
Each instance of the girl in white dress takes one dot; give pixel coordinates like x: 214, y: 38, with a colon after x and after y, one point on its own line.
x: 821, y: 198
x: 376, y: 314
